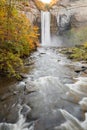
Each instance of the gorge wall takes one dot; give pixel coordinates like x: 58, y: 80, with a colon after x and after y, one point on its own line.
x: 33, y: 14
x: 31, y: 11
x: 65, y: 14
x: 70, y: 13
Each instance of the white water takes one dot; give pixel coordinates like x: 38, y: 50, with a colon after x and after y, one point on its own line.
x: 72, y: 123
x: 45, y: 28
x: 77, y: 93
x: 20, y: 124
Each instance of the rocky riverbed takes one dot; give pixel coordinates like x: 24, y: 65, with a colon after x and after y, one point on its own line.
x: 42, y: 90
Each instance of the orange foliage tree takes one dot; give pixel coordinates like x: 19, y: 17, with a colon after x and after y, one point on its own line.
x: 17, y: 38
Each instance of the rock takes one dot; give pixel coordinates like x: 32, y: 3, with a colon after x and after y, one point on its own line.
x: 69, y: 52
x: 83, y: 74
x: 15, y: 92
x: 32, y: 12
x: 84, y: 62
x: 42, y: 53
x: 84, y: 67
x: 78, y: 69
x: 25, y: 110
x: 28, y: 64
x: 85, y: 71
x: 83, y: 104
x: 64, y: 23
x: 70, y: 13
x: 5, y: 96
x: 23, y: 75
x: 31, y: 89
x: 81, y: 69
x: 21, y: 86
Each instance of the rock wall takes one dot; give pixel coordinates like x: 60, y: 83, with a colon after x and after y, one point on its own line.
x: 70, y: 13
x: 33, y: 14
x: 53, y: 26
x: 65, y: 14
x: 31, y: 11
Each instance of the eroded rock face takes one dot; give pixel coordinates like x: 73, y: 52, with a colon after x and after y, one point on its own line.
x: 70, y: 13
x: 65, y: 14
x: 31, y: 12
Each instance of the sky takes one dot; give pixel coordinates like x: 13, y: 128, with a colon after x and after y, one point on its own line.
x: 46, y: 1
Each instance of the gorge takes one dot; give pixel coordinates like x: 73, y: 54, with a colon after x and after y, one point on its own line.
x: 53, y: 92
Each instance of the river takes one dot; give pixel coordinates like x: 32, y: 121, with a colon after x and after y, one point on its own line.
x: 53, y: 93
x: 40, y: 97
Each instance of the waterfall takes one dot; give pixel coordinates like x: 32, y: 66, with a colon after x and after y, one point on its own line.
x: 45, y: 27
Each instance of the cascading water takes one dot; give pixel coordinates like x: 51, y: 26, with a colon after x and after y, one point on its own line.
x: 21, y: 124
x: 45, y: 27
x: 78, y: 91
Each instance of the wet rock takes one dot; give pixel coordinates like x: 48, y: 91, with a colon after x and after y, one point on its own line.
x: 84, y: 62
x: 84, y: 67
x: 83, y: 74
x: 21, y: 86
x: 78, y: 69
x: 81, y: 69
x: 69, y: 52
x: 64, y: 23
x: 30, y: 89
x: 85, y: 71
x: 23, y: 75
x: 12, y: 116
x: 15, y: 92
x: 5, y: 96
x: 28, y: 64
x: 42, y: 53
x: 25, y: 110
x: 83, y: 104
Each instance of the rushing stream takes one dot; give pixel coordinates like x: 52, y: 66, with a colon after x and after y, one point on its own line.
x: 49, y: 89
x: 51, y: 97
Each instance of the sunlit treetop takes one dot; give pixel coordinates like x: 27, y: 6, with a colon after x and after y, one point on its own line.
x: 45, y: 4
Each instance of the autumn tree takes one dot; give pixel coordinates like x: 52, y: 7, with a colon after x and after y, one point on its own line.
x: 17, y: 38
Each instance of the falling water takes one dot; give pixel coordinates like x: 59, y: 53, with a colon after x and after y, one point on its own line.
x: 45, y: 26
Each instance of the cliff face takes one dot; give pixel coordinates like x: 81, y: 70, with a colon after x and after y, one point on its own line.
x: 70, y: 13
x: 31, y: 11
x: 66, y: 14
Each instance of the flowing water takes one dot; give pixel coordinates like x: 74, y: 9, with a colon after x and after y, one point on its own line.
x: 52, y: 97
x: 47, y: 85
x: 45, y: 25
